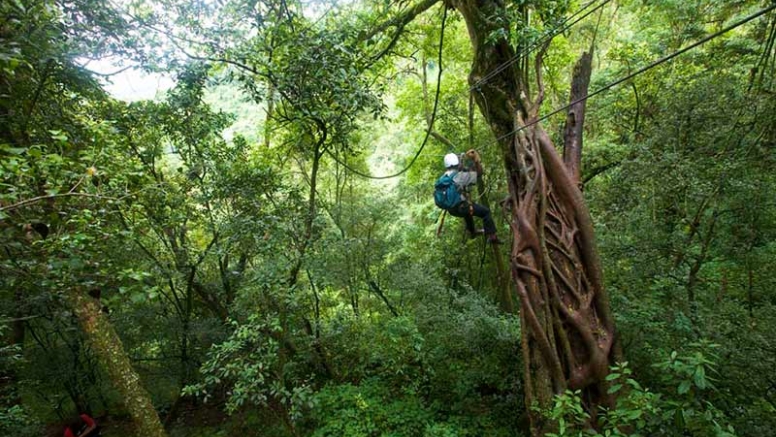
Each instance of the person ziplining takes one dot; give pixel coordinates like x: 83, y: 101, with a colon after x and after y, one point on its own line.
x: 451, y: 194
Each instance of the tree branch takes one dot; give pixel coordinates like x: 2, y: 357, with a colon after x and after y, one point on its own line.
x: 400, y: 20
x: 600, y: 170
x: 53, y: 196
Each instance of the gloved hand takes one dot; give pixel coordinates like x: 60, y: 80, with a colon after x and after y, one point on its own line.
x: 473, y: 155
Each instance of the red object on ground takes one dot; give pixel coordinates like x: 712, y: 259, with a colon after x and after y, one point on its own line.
x: 86, y: 420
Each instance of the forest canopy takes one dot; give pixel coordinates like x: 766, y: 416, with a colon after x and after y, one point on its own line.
x: 416, y: 218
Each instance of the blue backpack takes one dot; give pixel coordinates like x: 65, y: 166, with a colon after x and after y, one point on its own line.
x: 446, y: 194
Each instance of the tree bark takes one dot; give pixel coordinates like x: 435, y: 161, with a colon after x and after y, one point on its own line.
x: 575, y: 119
x: 567, y: 326
x: 106, y: 344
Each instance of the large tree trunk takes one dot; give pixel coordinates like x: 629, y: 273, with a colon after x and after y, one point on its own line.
x: 110, y: 352
x: 567, y: 326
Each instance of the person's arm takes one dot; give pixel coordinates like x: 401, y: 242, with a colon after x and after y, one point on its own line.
x: 475, y: 157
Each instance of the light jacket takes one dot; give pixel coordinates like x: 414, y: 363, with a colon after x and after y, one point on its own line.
x: 463, y: 180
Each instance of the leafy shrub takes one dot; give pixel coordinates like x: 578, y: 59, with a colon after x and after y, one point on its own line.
x: 680, y: 410
x: 16, y: 421
x: 368, y: 410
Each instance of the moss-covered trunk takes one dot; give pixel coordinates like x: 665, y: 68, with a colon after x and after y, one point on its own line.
x: 110, y: 352
x: 568, y: 330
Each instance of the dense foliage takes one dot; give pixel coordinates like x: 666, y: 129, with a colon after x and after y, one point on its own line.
x: 211, y: 260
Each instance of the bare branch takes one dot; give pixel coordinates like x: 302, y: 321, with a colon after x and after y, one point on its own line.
x: 106, y: 75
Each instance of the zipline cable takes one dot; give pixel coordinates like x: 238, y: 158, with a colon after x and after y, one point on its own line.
x: 560, y: 29
x: 558, y: 110
x: 643, y: 69
x: 563, y: 27
x: 430, y: 122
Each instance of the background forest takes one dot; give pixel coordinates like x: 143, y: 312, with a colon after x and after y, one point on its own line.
x: 214, y: 262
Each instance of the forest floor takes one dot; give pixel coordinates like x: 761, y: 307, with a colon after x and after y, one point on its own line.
x: 194, y: 421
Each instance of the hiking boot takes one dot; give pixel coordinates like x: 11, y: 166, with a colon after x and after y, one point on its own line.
x: 493, y: 239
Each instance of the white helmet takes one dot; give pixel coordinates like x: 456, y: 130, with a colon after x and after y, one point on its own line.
x: 451, y: 160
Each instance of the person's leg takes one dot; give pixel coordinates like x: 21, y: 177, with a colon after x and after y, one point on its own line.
x: 469, y: 220
x: 462, y: 211
x: 487, y: 220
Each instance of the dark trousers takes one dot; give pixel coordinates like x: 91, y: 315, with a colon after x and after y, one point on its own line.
x: 462, y: 210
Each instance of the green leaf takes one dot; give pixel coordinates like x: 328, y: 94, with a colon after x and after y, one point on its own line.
x: 633, y: 383
x: 635, y: 414
x: 137, y: 297
x: 14, y: 150
x: 679, y: 419
x: 615, y: 388
x: 58, y: 135
x: 700, y: 378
